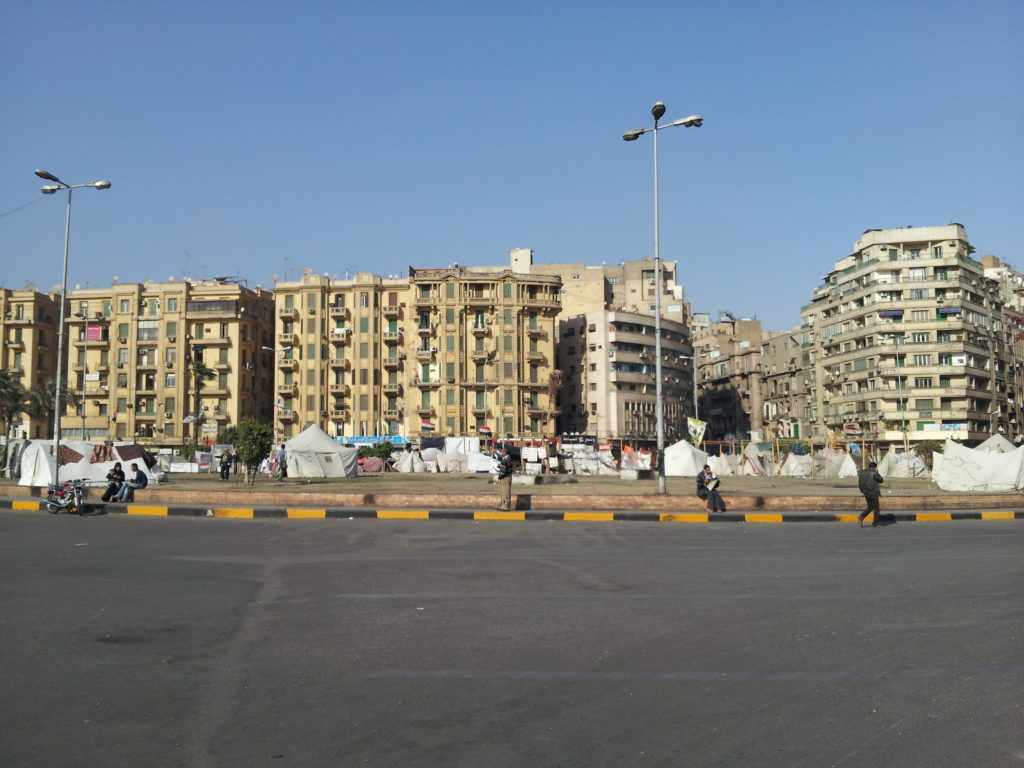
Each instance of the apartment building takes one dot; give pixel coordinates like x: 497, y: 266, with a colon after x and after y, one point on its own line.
x: 911, y: 341
x: 608, y: 364
x: 29, y: 322
x: 448, y: 351
x: 624, y: 294
x: 728, y: 353
x: 786, y: 379
x: 134, y: 349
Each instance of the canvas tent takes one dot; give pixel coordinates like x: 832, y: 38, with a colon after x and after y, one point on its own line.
x: 996, y: 444
x: 312, y: 453
x: 960, y: 468
x: 795, y: 466
x: 830, y: 463
x: 902, y: 465
x: 32, y: 462
x: 683, y: 460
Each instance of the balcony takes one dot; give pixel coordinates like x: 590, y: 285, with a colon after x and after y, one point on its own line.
x: 426, y: 383
x: 430, y: 300
x: 339, y: 312
x: 479, y: 410
x: 340, y: 336
x: 339, y: 414
x: 287, y: 415
x: 146, y: 363
x: 392, y: 363
x: 392, y: 389
x: 536, y: 332
x: 478, y: 298
x: 535, y: 356
x: 341, y: 390
x: 534, y: 410
x: 479, y: 383
x: 426, y: 353
x: 481, y: 330
x: 426, y: 330
x: 392, y: 337
x: 392, y: 310
x: 425, y: 410
x: 541, y: 302
x: 288, y: 364
x: 91, y: 343
x: 392, y: 415
x: 283, y: 339
x: 339, y: 362
x: 480, y: 356
x: 288, y: 313
x: 15, y: 344
x: 288, y: 390
x: 645, y: 379
x: 208, y: 341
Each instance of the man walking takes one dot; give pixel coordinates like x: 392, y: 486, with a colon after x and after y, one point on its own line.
x: 282, y: 463
x: 868, y: 480
x: 504, y: 480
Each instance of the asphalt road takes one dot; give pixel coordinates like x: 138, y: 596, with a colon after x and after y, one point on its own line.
x: 196, y: 642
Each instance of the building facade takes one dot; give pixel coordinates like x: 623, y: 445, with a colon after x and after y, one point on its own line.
x: 29, y: 322
x: 910, y: 341
x: 728, y: 354
x: 134, y: 352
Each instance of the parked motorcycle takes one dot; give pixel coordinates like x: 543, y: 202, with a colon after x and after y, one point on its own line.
x: 66, y: 497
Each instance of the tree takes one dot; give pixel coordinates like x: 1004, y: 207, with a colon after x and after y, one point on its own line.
x: 253, y: 442
x: 227, y: 435
x: 200, y: 372
x: 40, y: 401
x: 12, y: 399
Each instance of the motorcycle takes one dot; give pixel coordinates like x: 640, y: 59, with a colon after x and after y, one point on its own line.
x: 66, y: 497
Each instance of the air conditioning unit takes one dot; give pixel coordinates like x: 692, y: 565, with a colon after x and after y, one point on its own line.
x: 402, y: 304
x: 402, y: 356
x: 451, y: 381
x: 120, y: 365
x: 122, y: 339
x: 433, y: 350
x: 172, y: 339
x: 940, y: 299
x: 168, y: 414
x: 169, y: 364
x: 216, y: 407
x: 489, y: 320
x: 206, y: 407
x: 312, y: 310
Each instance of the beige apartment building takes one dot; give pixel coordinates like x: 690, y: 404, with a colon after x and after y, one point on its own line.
x: 29, y: 321
x: 786, y: 378
x: 449, y: 351
x: 613, y: 397
x: 608, y: 365
x: 728, y: 354
x: 911, y: 341
x: 132, y: 349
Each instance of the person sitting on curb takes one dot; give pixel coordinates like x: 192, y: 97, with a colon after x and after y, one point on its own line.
x: 115, y: 480
x: 139, y: 480
x: 707, y: 489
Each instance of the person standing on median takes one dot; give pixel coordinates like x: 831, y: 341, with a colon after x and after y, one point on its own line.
x: 282, y: 463
x: 868, y: 480
x: 504, y: 480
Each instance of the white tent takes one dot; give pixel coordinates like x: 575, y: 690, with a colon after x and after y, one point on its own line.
x: 996, y: 444
x: 903, y: 465
x: 408, y: 461
x: 683, y: 460
x: 752, y: 463
x: 796, y: 466
x: 965, y: 469
x: 721, y: 465
x: 83, y: 461
x: 312, y: 453
x: 832, y: 464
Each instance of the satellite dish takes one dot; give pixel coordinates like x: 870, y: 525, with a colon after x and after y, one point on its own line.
x: 115, y: 278
x: 274, y: 278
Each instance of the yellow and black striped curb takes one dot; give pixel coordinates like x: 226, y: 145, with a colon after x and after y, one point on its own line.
x: 249, y: 513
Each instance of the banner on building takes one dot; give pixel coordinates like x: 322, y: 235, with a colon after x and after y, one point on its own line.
x: 697, y: 429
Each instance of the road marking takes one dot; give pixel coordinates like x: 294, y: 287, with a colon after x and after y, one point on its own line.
x: 683, y: 517
x: 141, y: 509
x: 591, y: 516
x: 27, y: 505
x: 763, y: 517
x: 232, y: 512
x: 403, y: 514
x: 844, y: 518
x: 301, y: 514
x: 486, y: 514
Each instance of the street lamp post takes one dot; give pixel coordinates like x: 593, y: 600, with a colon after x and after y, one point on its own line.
x: 693, y: 121
x: 85, y: 367
x: 50, y: 189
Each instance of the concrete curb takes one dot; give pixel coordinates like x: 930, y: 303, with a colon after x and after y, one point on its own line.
x: 304, y: 513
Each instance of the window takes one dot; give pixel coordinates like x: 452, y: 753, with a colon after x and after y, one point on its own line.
x: 364, y: 350
x: 148, y: 330
x: 449, y: 316
x: 449, y: 290
x: 937, y: 252
x: 923, y: 404
x: 506, y: 290
x: 918, y: 293
x: 920, y: 315
x: 126, y: 305
x: 923, y: 381
x: 575, y: 277
x: 172, y: 304
x: 922, y: 359
x: 920, y: 337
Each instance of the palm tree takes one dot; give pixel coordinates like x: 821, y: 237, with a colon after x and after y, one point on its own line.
x: 200, y: 372
x: 12, y: 399
x: 40, y: 401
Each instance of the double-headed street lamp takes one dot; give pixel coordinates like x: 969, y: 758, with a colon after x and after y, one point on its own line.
x: 693, y: 121
x: 50, y: 189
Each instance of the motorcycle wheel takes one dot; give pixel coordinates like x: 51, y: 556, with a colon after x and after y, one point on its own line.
x: 51, y: 506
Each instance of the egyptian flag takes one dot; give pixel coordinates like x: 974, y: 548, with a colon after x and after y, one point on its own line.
x: 427, y: 425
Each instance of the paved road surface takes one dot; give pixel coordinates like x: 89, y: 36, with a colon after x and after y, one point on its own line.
x: 183, y: 642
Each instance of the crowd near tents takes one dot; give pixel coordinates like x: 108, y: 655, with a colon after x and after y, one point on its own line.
x: 31, y: 462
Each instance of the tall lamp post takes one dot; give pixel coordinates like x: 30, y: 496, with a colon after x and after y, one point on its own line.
x: 85, y: 367
x: 50, y: 189
x: 693, y: 121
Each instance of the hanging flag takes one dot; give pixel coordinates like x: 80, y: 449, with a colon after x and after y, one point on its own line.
x: 484, y: 430
x: 697, y: 428
x: 427, y: 425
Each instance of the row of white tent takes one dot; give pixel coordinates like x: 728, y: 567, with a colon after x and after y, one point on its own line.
x: 31, y: 462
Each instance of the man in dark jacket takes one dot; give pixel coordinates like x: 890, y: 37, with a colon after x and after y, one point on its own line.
x: 504, y: 480
x: 868, y: 480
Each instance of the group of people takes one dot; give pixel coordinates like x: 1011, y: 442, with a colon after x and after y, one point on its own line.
x: 121, y: 489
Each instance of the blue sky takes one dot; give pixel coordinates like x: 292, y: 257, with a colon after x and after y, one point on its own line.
x: 256, y: 139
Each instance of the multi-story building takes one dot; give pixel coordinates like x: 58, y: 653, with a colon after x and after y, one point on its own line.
x: 29, y: 322
x: 615, y: 399
x: 910, y: 340
x: 445, y: 351
x: 786, y: 378
x: 728, y: 354
x: 608, y: 366
x: 135, y: 351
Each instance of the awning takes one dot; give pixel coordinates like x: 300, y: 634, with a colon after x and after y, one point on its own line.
x: 891, y: 313
x: 950, y: 310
